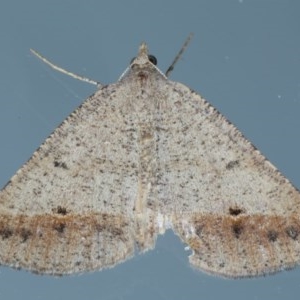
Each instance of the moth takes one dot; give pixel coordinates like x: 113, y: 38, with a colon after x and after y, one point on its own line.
x: 140, y: 156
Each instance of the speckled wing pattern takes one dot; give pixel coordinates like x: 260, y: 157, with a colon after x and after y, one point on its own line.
x: 138, y: 157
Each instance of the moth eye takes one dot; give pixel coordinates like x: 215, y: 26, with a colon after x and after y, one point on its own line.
x: 152, y: 59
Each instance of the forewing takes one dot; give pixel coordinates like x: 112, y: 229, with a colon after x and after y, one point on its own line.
x: 234, y: 209
x: 70, y: 207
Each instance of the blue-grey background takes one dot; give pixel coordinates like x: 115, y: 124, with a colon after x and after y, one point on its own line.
x: 244, y: 59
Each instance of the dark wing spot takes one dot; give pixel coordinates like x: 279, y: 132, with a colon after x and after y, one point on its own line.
x: 60, y: 164
x: 115, y: 231
x: 235, y: 211
x: 237, y: 229
x: 60, y: 227
x: 272, y: 235
x: 6, y: 233
x: 61, y: 210
x: 292, y: 232
x: 232, y: 164
x: 25, y: 234
x: 198, y: 230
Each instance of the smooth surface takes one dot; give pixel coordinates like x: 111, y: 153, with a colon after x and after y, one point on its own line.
x: 244, y: 60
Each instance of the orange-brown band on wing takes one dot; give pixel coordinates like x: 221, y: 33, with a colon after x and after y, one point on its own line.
x: 63, y: 244
x: 241, y: 246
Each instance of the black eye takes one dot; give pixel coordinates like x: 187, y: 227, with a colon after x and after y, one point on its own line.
x: 152, y: 59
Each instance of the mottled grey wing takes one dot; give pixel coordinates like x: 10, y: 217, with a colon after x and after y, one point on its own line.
x: 70, y: 208
x: 233, y: 208
x: 138, y: 157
